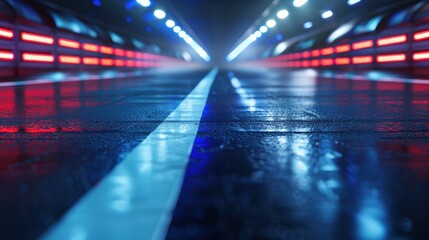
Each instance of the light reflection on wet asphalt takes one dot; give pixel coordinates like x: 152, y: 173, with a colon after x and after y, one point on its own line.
x: 59, y: 139
x: 278, y: 155
x: 295, y: 156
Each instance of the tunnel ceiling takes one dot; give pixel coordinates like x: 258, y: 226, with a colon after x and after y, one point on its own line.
x: 217, y: 25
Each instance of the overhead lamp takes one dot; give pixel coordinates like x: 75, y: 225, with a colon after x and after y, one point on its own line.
x: 271, y: 23
x: 282, y: 14
x: 263, y: 29
x: 352, y: 2
x: 327, y: 14
x: 170, y: 23
x: 299, y: 3
x: 177, y: 29
x: 160, y: 14
x: 308, y: 25
x: 182, y: 34
x: 258, y: 34
x: 144, y: 3
x: 241, y: 47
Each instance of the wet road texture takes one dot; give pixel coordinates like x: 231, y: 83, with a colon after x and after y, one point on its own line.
x: 278, y: 155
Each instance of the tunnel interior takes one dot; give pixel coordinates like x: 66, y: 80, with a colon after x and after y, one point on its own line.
x: 198, y: 119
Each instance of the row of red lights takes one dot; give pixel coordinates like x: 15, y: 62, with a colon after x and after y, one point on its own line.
x: 386, y: 41
x: 386, y: 58
x: 67, y: 43
x: 69, y: 59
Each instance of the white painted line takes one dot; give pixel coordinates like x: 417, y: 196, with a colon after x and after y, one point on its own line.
x: 136, y: 200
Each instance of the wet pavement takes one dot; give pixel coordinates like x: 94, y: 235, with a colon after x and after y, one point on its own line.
x: 295, y: 156
x: 59, y: 139
x: 278, y: 155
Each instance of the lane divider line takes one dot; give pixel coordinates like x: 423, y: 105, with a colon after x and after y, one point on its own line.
x: 136, y: 200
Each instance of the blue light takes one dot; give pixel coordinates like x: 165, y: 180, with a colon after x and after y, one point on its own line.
x: 129, y: 19
x: 96, y: 3
x: 308, y: 25
x: 144, y: 3
x: 353, y: 2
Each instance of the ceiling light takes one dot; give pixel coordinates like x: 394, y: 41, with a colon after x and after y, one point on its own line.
x: 144, y: 3
x: 282, y: 14
x: 177, y: 29
x: 170, y: 23
x: 299, y: 3
x: 271, y: 23
x: 352, y: 2
x: 308, y: 25
x: 258, y: 34
x: 182, y: 34
x: 241, y: 47
x: 159, y: 14
x: 263, y: 29
x: 327, y: 14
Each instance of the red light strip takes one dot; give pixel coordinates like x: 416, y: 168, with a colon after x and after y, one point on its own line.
x: 119, y: 62
x: 392, y: 58
x: 342, y: 61
x: 305, y: 54
x: 130, y: 54
x: 91, y: 61
x: 305, y: 63
x: 392, y: 40
x: 37, y: 57
x: 140, y: 56
x: 37, y: 38
x: 69, y: 59
x: 6, y: 33
x: 6, y: 55
x: 68, y: 43
x: 327, y: 62
x: 362, y: 60
x: 420, y: 36
x: 90, y: 47
x: 342, y: 48
x: 119, y: 52
x: 363, y: 44
x: 131, y: 63
x: 421, y: 56
x: 107, y: 62
x: 328, y: 51
x: 315, y: 53
x: 106, y: 50
x: 315, y: 63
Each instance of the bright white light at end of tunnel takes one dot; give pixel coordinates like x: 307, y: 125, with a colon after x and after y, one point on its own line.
x: 308, y: 25
x: 177, y: 29
x: 282, y: 14
x: 353, y: 2
x: 160, y: 14
x: 299, y: 3
x: 170, y: 23
x: 144, y: 3
x: 263, y: 29
x: 327, y: 14
x: 271, y: 23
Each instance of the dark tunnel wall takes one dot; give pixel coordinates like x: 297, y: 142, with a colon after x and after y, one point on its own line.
x: 35, y: 39
x: 396, y: 41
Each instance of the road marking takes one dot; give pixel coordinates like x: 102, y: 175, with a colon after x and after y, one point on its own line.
x: 136, y: 200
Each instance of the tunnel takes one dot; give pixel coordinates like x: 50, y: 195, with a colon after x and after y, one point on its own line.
x: 214, y: 120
